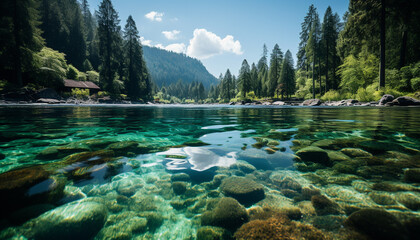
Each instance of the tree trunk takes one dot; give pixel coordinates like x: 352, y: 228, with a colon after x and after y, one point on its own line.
x: 313, y: 76
x: 18, y: 43
x: 403, y: 47
x: 382, y: 66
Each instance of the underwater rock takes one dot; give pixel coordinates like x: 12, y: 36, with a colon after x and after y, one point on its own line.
x: 377, y: 224
x: 325, y: 206
x: 349, y: 166
x: 123, y: 147
x: 154, y: 220
x: 286, y: 183
x: 243, y: 166
x: 228, y: 213
x: 124, y: 228
x: 361, y: 186
x: 382, y: 198
x: 179, y: 188
x: 337, y: 156
x: 245, y: 190
x: 412, y: 175
x: 213, y: 233
x: 394, y: 187
x: 270, y: 150
x: 334, y: 144
x: 309, y: 191
x: 76, y: 220
x: 55, y: 152
x: 22, y: 215
x: 2, y: 156
x: 93, y: 158
x: 180, y: 177
x: 182, y: 204
x: 329, y: 222
x: 98, y: 144
x: 376, y: 147
x: 140, y: 203
x: 355, y: 152
x: 315, y: 155
x: 410, y: 200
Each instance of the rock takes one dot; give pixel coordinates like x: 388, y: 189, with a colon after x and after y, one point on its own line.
x: 382, y: 198
x: 180, y: 177
x: 245, y: 190
x: 376, y: 147
x: 48, y: 101
x: 179, y: 187
x: 279, y: 103
x: 97, y: 144
x: 324, y: 206
x: 76, y: 220
x: 195, y: 143
x: 386, y: 99
x: 140, y: 203
x: 405, y: 101
x: 243, y: 166
x: 123, y: 147
x: 270, y: 150
x: 361, y: 186
x: 355, y: 152
x: 315, y: 155
x: 100, y: 156
x: 47, y: 93
x: 2, y: 156
x: 412, y: 175
x: 228, y: 214
x: 124, y: 228
x: 154, y: 220
x: 328, y: 222
x: 410, y: 200
x: 312, y: 102
x: 377, y: 224
x: 309, y: 192
x: 287, y: 183
x: 213, y: 233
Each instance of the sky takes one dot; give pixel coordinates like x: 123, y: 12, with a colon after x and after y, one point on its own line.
x: 221, y: 33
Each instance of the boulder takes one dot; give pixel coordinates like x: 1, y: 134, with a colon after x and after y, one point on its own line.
x: 48, y: 101
x: 405, y: 101
x: 412, y: 175
x: 312, y: 102
x: 377, y: 224
x: 228, y: 213
x: 324, y: 206
x: 355, y: 152
x: 386, y: 99
x: 179, y: 188
x: 245, y: 190
x: 279, y: 103
x: 213, y: 233
x: 315, y: 155
x: 76, y: 220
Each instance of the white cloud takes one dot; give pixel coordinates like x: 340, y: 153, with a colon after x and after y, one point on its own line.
x: 205, y: 44
x: 176, y: 47
x: 146, y: 42
x: 171, y: 35
x: 154, y: 16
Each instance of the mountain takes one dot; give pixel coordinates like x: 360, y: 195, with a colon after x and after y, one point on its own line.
x: 168, y: 67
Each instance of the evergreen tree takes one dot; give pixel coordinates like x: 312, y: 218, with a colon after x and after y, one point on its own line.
x: 20, y: 38
x: 304, y: 37
x: 76, y: 54
x: 255, y: 84
x: 312, y: 50
x: 109, y: 46
x: 262, y: 67
x: 227, y: 86
x: 136, y: 72
x: 287, y: 76
x: 244, y: 78
x: 274, y: 72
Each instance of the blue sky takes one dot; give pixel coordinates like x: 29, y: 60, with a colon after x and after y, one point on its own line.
x: 221, y: 33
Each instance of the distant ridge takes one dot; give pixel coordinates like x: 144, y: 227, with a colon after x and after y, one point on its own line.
x: 168, y: 67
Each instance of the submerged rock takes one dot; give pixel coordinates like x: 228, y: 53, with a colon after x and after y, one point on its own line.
x: 213, y: 233
x: 412, y: 175
x: 245, y: 190
x: 228, y: 213
x: 77, y: 220
x: 325, y: 206
x: 124, y: 147
x: 410, y: 200
x: 179, y: 188
x: 180, y: 177
x: 355, y: 152
x: 315, y: 155
x: 377, y: 224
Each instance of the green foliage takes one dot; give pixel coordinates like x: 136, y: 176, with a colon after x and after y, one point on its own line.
x: 364, y: 95
x: 93, y: 76
x: 276, y: 60
x: 331, y: 95
x: 72, y: 73
x: 287, y: 76
x: 358, y: 72
x: 80, y: 93
x: 415, y: 84
x: 54, y: 60
x: 87, y: 66
x: 103, y: 94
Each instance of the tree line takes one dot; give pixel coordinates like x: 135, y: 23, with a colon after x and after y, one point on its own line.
x: 45, y: 41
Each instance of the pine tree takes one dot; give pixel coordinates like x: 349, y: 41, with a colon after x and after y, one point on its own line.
x: 274, y: 72
x: 227, y: 86
x: 255, y: 84
x: 312, y: 49
x: 287, y: 76
x: 304, y: 37
x: 20, y: 38
x: 109, y: 46
x: 244, y: 78
x: 76, y: 54
x: 262, y: 74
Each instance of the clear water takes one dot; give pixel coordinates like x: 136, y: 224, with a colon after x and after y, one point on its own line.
x: 115, y: 165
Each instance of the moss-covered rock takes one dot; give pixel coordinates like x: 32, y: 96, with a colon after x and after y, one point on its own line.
x: 96, y: 157
x: 124, y: 147
x: 228, y: 213
x: 213, y: 233
x: 377, y: 224
x: 179, y: 188
x: 245, y: 190
x: 382, y: 198
x: 325, y: 206
x: 376, y: 147
x: 287, y: 183
x: 410, y: 200
x: 336, y: 156
x: 355, y: 152
x: 195, y: 143
x: 180, y: 177
x: 412, y: 175
x: 76, y: 220
x: 315, y: 155
x: 154, y: 220
x: 243, y: 166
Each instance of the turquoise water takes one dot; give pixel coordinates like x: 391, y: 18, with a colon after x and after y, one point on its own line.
x: 165, y: 172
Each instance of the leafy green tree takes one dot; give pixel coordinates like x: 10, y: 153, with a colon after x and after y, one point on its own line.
x: 109, y: 46
x: 276, y: 60
x: 287, y: 75
x: 20, y: 38
x: 244, y: 78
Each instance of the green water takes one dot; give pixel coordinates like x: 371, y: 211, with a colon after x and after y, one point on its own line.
x: 140, y: 172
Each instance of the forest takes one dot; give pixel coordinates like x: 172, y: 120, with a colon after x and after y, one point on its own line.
x: 372, y: 50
